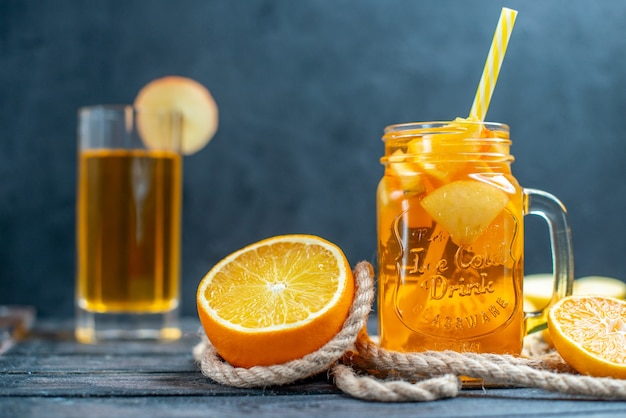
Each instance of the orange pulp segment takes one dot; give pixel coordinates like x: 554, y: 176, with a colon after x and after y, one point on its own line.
x: 276, y: 300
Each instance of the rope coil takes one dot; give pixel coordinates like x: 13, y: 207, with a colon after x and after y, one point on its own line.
x: 366, y: 371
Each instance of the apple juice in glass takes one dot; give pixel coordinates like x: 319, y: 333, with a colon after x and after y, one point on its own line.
x: 128, y: 231
x: 451, y: 240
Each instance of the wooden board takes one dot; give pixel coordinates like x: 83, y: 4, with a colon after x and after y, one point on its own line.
x: 51, y: 375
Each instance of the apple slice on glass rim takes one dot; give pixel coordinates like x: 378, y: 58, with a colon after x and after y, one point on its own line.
x: 180, y: 95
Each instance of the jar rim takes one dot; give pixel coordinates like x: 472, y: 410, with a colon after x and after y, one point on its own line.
x: 436, y: 125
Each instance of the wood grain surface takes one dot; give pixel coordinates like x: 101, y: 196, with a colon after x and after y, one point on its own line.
x: 51, y: 375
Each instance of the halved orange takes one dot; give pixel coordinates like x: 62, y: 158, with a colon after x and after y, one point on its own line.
x: 276, y: 300
x: 188, y: 98
x: 589, y: 332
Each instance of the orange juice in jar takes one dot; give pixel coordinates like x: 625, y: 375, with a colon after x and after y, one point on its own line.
x: 451, y: 240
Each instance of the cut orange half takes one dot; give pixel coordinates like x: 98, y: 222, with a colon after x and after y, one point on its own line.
x: 589, y: 332
x: 186, y: 97
x: 276, y: 300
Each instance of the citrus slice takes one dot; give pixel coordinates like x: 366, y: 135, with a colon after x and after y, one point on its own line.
x: 185, y: 96
x: 600, y: 286
x: 276, y: 300
x: 451, y: 140
x: 407, y: 172
x: 538, y: 289
x: 589, y: 332
x: 465, y: 208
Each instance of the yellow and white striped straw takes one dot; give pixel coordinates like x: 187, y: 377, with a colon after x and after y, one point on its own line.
x: 493, y: 63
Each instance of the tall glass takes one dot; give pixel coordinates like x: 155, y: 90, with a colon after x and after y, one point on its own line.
x: 451, y: 240
x: 129, y: 203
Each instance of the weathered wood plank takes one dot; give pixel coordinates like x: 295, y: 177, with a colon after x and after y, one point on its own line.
x: 52, y: 375
x: 140, y: 384
x: 84, y: 363
x: 63, y: 343
x: 299, y: 405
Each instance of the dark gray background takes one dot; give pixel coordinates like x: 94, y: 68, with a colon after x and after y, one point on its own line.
x: 304, y: 89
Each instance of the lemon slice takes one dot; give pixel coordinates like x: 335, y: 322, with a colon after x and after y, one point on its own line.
x: 185, y: 96
x: 601, y: 286
x: 538, y: 289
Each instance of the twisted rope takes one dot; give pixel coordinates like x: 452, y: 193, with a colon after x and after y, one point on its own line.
x: 364, y: 370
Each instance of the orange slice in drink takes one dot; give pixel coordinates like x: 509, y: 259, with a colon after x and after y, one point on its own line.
x: 188, y: 98
x: 589, y: 332
x: 452, y: 140
x: 465, y: 208
x: 276, y: 300
x: 407, y: 172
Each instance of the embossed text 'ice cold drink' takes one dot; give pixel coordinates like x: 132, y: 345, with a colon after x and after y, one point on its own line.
x: 128, y: 226
x: 451, y: 240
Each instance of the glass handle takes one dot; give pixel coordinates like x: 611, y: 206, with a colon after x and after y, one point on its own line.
x: 547, y: 206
